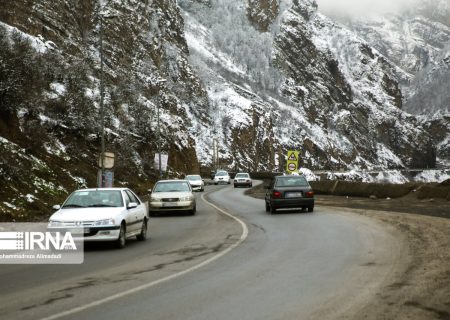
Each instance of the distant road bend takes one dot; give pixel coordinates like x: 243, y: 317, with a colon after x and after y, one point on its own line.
x: 291, y: 266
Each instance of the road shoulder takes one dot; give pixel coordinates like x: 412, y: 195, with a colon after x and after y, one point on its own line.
x: 422, y: 291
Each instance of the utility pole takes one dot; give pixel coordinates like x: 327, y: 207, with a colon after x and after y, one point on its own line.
x: 101, y: 16
x: 102, y: 111
x: 159, y: 142
x: 215, y: 154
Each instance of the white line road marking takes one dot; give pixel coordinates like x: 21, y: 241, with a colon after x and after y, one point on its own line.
x: 168, y: 278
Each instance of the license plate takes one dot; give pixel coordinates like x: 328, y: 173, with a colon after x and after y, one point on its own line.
x: 78, y: 231
x: 294, y: 195
x: 169, y: 204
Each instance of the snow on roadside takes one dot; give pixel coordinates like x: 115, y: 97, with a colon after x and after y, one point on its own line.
x: 432, y: 176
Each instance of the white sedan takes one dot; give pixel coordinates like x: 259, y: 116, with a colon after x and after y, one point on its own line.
x: 106, y: 214
x: 196, y: 182
x: 172, y: 195
x: 222, y: 177
x: 242, y: 179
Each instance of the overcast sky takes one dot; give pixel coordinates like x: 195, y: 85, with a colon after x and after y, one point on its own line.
x: 361, y: 7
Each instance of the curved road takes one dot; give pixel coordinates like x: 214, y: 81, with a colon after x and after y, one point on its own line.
x: 324, y: 264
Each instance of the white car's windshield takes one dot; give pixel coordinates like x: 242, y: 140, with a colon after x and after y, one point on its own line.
x: 221, y: 174
x: 193, y: 178
x: 94, y: 198
x: 172, y: 187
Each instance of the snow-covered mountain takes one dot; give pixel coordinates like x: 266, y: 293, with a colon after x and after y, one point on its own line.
x: 416, y: 38
x: 253, y: 77
x: 307, y: 83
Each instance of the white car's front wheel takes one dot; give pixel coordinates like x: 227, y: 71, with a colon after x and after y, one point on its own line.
x: 121, y: 240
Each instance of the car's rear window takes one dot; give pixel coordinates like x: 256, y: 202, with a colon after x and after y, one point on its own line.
x: 222, y: 173
x: 172, y: 187
x: 242, y: 175
x: 295, y: 181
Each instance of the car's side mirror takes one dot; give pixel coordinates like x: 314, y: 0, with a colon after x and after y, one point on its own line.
x: 56, y: 207
x: 132, y: 205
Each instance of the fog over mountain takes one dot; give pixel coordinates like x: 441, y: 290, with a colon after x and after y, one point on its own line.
x: 356, y: 8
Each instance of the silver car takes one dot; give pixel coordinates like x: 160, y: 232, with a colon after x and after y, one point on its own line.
x: 222, y: 177
x: 242, y: 179
x: 196, y: 182
x: 172, y: 195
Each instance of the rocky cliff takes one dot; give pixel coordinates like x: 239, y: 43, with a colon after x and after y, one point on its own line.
x: 50, y: 83
x: 416, y: 39
x: 316, y: 87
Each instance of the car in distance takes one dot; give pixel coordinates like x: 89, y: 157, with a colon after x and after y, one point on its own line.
x: 172, y: 195
x: 222, y: 177
x: 242, y: 179
x: 289, y: 192
x: 104, y: 214
x: 196, y: 182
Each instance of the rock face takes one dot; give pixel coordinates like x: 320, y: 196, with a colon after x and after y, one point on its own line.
x: 439, y: 127
x: 262, y: 13
x: 348, y: 87
x: 50, y: 89
x: 416, y: 39
x: 333, y: 96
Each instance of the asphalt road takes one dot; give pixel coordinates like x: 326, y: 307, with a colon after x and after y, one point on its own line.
x: 324, y: 264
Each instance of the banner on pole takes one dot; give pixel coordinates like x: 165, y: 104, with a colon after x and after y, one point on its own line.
x: 164, y: 160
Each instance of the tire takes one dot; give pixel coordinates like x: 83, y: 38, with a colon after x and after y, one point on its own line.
x: 193, y: 211
x: 122, y: 240
x: 267, y: 207
x: 153, y: 214
x: 310, y: 209
x: 143, y: 235
x: 273, y: 210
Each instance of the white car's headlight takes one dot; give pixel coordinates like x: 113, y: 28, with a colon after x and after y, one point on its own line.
x: 105, y: 222
x: 187, y: 198
x: 154, y: 199
x: 55, y: 223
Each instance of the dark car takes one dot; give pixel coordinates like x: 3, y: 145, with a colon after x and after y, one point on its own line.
x: 289, y: 192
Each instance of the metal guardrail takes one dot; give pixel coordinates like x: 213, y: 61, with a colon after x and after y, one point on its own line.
x: 381, y: 170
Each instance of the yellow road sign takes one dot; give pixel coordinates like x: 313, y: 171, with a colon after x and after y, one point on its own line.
x: 292, y: 161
